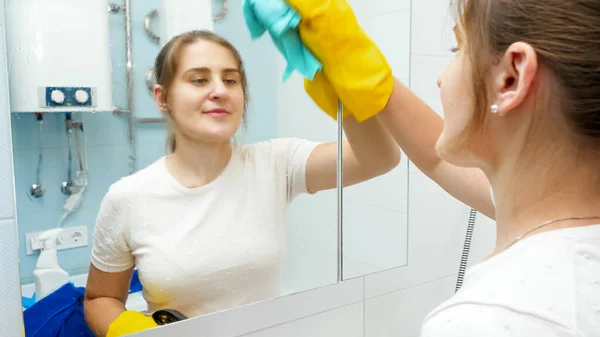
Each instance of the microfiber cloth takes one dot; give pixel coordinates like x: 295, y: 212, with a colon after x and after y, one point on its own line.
x: 59, y: 314
x: 281, y: 21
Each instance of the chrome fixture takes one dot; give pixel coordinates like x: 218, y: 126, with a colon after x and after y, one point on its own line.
x: 67, y: 186
x: 114, y: 8
x: 37, y: 190
x: 148, y: 25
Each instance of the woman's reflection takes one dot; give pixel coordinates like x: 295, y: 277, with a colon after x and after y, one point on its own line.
x: 204, y: 225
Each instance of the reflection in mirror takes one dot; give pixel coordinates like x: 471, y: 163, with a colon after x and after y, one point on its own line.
x: 375, y: 212
x: 197, y: 231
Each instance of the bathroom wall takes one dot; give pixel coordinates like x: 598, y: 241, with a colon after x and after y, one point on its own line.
x: 107, y: 135
x: 11, y: 318
x: 393, y: 302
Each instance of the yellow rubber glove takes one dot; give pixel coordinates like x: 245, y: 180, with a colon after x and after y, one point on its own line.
x: 129, y: 322
x: 323, y: 94
x: 351, y: 61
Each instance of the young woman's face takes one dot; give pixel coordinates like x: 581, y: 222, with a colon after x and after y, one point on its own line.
x: 206, y: 100
x: 475, y: 148
x: 457, y: 101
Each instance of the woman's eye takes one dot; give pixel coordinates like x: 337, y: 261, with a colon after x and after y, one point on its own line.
x: 230, y: 81
x: 199, y: 80
x: 454, y: 50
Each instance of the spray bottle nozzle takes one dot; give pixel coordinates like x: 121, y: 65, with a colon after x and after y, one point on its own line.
x: 49, y: 238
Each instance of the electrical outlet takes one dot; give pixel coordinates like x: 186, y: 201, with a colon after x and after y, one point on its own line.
x: 70, y: 237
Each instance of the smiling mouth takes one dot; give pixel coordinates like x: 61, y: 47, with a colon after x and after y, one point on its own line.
x: 217, y: 112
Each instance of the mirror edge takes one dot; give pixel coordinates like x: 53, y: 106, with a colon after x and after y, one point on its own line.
x: 11, y: 313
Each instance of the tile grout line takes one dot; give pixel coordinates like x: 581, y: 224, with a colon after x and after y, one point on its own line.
x: 364, y: 308
x: 410, y: 287
x: 297, y: 319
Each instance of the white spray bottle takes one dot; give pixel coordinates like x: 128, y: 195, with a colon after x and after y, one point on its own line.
x: 48, y: 275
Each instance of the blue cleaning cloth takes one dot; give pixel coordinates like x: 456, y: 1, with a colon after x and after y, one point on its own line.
x: 281, y: 21
x: 59, y: 314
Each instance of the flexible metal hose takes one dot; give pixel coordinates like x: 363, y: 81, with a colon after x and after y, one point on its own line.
x: 466, y: 248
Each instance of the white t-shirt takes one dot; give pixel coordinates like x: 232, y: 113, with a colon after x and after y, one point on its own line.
x: 547, y: 285
x: 210, y: 248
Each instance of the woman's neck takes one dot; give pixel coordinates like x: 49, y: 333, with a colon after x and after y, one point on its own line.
x: 531, y: 196
x: 197, y: 164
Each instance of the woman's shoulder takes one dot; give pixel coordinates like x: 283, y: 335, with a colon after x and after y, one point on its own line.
x: 276, y: 146
x: 132, y: 185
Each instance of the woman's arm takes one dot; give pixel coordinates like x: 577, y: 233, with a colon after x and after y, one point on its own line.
x: 105, y: 298
x: 370, y: 151
x: 416, y: 128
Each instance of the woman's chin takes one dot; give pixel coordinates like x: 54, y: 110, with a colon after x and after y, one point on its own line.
x: 455, y: 156
x: 218, y: 136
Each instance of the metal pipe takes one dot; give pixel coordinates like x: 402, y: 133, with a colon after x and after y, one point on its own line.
x: 340, y: 182
x: 129, y: 66
x: 151, y: 120
x: 37, y: 190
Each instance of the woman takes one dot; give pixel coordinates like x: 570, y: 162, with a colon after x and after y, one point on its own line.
x: 204, y: 225
x: 521, y: 102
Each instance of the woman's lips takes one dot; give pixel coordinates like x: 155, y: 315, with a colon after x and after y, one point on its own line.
x: 217, y: 112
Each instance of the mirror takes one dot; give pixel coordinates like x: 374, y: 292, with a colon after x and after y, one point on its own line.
x: 91, y: 130
x: 375, y: 212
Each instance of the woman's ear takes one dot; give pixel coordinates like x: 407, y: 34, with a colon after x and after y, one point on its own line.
x: 516, y: 72
x: 159, y: 94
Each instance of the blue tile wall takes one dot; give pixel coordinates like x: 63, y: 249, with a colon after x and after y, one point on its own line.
x: 107, y: 135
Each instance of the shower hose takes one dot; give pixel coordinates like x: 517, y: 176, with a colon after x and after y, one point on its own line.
x: 466, y: 247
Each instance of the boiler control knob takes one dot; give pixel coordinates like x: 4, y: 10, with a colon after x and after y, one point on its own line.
x: 81, y: 96
x: 57, y: 96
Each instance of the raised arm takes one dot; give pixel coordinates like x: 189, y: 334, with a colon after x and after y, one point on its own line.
x: 416, y: 128
x: 370, y: 151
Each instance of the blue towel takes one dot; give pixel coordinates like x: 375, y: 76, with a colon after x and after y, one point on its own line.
x: 28, y: 301
x: 135, y: 285
x: 59, y: 314
x: 281, y: 21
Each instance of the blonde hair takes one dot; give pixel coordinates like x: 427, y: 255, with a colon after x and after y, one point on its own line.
x: 167, y: 62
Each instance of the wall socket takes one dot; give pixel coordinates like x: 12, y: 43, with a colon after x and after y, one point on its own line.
x: 71, y: 237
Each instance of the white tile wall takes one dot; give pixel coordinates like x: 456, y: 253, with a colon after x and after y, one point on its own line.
x: 391, y: 31
x: 7, y: 195
x: 11, y: 319
x: 400, y: 313
x: 345, y: 321
x: 432, y: 22
x: 437, y: 226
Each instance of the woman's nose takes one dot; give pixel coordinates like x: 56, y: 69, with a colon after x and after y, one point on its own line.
x: 219, y: 90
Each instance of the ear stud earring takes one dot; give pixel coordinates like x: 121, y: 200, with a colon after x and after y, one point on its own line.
x: 494, y: 108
